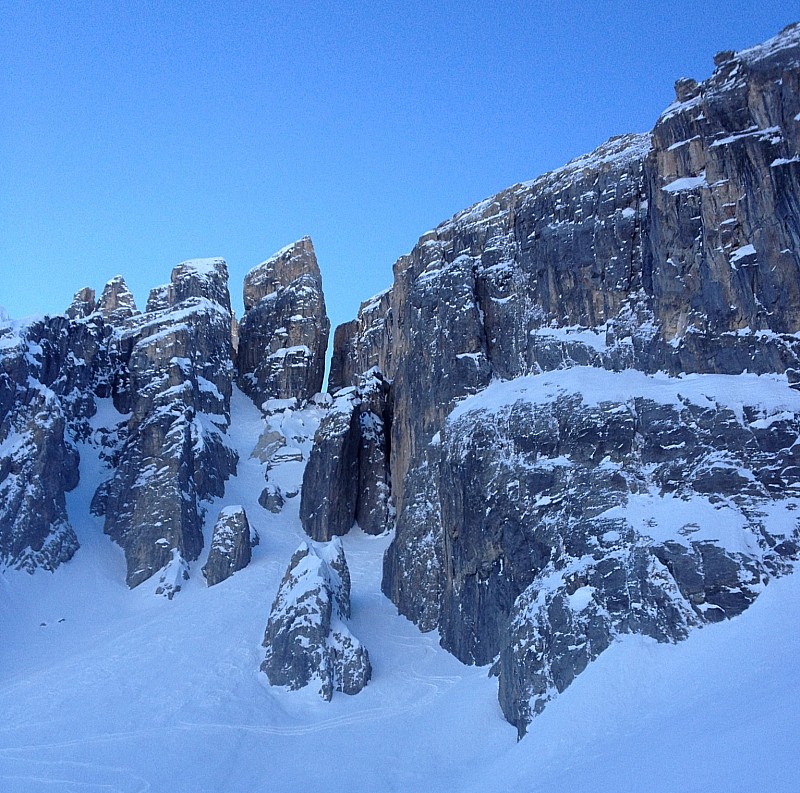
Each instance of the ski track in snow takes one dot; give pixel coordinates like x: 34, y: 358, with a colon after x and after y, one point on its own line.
x: 133, y: 693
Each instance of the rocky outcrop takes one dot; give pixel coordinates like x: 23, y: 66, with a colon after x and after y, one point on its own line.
x: 307, y: 639
x: 346, y: 480
x: 51, y: 370
x: 37, y: 466
x: 329, y: 494
x: 572, y: 513
x: 363, y: 344
x: 116, y: 302
x: 83, y: 304
x: 283, y: 336
x: 175, y: 453
x: 231, y: 545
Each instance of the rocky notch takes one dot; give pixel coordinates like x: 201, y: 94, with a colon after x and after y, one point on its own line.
x: 283, y: 336
x: 231, y: 545
x: 307, y: 639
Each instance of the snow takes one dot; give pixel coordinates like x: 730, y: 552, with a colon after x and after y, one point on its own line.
x: 783, y: 161
x: 668, y: 518
x: 681, y: 143
x: 278, y: 254
x: 742, y: 252
x: 373, y: 302
x: 686, y: 183
x: 203, y: 267
x: 594, y: 338
x: 770, y: 393
x: 789, y: 37
x: 105, y: 688
x: 771, y: 133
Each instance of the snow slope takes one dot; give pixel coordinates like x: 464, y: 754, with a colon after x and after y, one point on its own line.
x: 106, y: 689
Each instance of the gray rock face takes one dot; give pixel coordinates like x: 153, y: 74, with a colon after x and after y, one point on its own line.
x: 175, y: 453
x: 567, y: 519
x: 231, y: 545
x: 329, y: 495
x: 346, y: 480
x: 83, y: 304
x: 37, y: 466
x: 50, y: 371
x: 283, y: 336
x: 307, y: 639
x: 363, y: 344
x: 116, y: 302
x: 676, y: 251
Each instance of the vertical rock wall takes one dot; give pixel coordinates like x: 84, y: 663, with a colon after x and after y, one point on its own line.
x: 283, y: 336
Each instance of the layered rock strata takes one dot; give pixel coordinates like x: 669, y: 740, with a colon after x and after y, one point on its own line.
x: 307, y: 639
x: 283, y: 336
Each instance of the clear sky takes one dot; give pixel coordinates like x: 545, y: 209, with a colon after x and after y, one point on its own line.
x: 134, y: 135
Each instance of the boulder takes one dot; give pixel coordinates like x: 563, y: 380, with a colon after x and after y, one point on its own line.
x: 231, y: 545
x: 307, y: 639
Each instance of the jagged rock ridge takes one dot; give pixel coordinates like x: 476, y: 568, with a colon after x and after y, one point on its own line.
x: 169, y: 372
x: 175, y: 453
x: 596, y: 513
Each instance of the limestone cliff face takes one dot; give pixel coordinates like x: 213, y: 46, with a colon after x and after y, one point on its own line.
x: 723, y: 225
x: 676, y: 251
x: 283, y: 336
x: 116, y: 302
x: 179, y: 367
x: 346, y: 480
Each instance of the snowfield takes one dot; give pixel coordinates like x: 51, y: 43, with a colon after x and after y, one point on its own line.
x: 108, y: 689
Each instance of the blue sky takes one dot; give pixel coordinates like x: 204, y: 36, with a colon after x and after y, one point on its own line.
x: 136, y: 135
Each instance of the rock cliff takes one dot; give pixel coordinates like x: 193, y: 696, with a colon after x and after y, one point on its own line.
x: 51, y: 370
x: 676, y: 251
x: 175, y: 454
x: 283, y: 336
x: 346, y: 480
x: 577, y: 406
